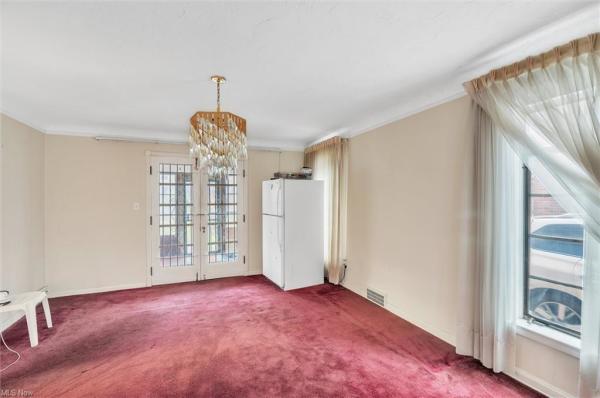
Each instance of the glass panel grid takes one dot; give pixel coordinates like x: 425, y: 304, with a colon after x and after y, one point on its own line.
x: 554, y: 259
x: 175, y: 215
x: 223, y: 219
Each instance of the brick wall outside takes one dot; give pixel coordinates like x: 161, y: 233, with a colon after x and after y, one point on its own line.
x: 542, y: 205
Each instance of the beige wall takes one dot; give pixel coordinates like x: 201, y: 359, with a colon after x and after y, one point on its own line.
x: 408, y: 199
x: 22, y: 210
x: 95, y: 240
x: 261, y: 166
x: 94, y: 237
x: 22, y: 206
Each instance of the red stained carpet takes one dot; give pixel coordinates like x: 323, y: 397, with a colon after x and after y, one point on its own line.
x: 239, y: 337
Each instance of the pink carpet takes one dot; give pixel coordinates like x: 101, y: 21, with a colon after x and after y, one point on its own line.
x: 239, y: 337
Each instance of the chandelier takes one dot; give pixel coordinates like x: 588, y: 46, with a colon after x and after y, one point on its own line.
x: 217, y: 139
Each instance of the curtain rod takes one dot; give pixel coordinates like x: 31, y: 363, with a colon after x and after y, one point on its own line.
x: 152, y: 141
x: 141, y: 140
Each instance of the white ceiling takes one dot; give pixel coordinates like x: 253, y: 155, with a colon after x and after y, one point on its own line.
x: 297, y: 71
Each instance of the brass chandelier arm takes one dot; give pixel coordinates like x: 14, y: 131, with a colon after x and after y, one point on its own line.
x: 219, y: 119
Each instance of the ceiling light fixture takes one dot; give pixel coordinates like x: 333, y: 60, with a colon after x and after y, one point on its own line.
x: 217, y: 139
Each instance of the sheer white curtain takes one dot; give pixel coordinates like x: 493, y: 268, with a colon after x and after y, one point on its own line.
x: 548, y: 109
x: 329, y: 161
x: 552, y: 114
x: 490, y: 281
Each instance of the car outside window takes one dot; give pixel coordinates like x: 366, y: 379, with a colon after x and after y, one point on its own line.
x: 566, y: 239
x: 553, y: 260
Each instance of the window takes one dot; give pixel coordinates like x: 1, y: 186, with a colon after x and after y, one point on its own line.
x: 553, y: 260
x: 176, y: 221
x: 223, y: 218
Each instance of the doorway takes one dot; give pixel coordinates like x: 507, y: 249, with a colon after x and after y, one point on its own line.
x: 197, y: 223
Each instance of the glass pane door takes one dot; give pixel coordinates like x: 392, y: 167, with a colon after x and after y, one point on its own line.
x: 223, y: 224
x: 176, y: 221
x: 175, y: 194
x: 223, y: 219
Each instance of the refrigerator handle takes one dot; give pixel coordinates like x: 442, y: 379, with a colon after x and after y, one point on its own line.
x: 279, y: 242
x: 279, y: 195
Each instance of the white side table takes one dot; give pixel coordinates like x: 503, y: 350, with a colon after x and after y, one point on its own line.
x: 27, y: 302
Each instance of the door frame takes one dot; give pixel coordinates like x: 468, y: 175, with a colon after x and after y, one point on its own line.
x: 243, y: 225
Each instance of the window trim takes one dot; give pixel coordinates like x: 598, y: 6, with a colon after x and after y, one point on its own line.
x: 550, y: 337
x: 526, y: 249
x: 527, y: 317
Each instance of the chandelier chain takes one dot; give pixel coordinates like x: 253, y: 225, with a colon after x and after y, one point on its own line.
x: 219, y: 95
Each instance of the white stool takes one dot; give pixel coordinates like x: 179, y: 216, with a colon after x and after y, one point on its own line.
x: 27, y: 302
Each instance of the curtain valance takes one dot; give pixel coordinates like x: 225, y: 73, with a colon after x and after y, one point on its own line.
x: 587, y: 44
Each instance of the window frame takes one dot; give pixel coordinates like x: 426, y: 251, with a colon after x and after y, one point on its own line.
x: 526, y: 261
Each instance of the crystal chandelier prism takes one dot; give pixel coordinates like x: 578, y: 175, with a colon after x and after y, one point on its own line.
x: 217, y: 139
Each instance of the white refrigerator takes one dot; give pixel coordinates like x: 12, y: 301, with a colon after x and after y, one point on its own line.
x: 292, y: 220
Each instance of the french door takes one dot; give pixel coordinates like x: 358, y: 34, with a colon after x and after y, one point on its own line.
x: 197, y: 223
x: 223, y: 224
x: 175, y: 254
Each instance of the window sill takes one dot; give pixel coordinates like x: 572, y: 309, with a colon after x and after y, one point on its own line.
x: 553, y: 338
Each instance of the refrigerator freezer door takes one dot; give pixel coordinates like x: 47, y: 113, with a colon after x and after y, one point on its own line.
x: 272, y: 197
x: 273, y: 249
x: 304, y: 241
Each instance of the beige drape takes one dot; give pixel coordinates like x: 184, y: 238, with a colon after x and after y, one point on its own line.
x: 329, y: 161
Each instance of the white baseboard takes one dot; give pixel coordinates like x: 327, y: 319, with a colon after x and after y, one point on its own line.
x: 540, y: 385
x: 102, y: 289
x: 254, y: 272
x: 440, y: 334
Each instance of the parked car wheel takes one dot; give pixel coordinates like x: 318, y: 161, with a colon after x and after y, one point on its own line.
x: 555, y: 306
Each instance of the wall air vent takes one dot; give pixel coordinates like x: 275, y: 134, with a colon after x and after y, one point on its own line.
x: 376, y: 297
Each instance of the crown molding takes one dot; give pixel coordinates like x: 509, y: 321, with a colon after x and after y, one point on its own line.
x: 141, y: 140
x: 173, y: 138
x: 572, y: 26
x: 406, y: 110
x: 118, y: 134
x: 275, y: 145
x: 108, y: 134
x: 128, y: 135
x: 23, y: 121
